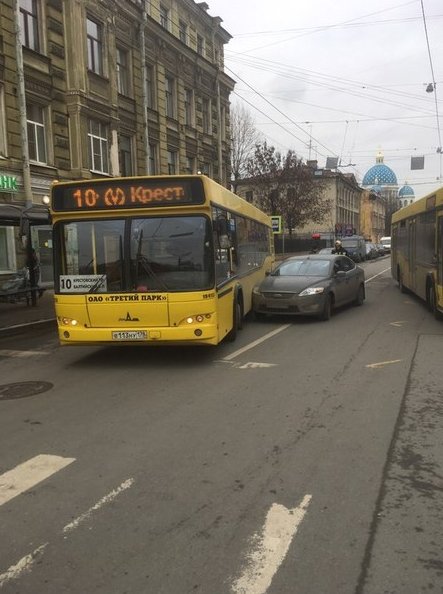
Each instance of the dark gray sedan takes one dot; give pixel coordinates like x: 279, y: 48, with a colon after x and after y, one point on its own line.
x: 311, y: 286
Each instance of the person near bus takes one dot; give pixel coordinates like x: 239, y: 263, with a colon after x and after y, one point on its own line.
x: 339, y: 249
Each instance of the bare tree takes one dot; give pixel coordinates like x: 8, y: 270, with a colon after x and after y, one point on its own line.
x: 244, y: 137
x: 286, y: 186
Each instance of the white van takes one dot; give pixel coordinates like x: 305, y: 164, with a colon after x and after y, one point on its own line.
x: 386, y: 243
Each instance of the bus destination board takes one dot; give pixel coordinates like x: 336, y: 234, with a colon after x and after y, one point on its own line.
x: 126, y: 193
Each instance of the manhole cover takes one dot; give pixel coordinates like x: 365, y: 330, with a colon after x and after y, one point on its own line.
x: 23, y: 389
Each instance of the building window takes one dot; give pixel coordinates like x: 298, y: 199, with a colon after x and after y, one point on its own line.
x: 205, y: 169
x: 169, y: 97
x: 150, y: 87
x: 223, y: 123
x: 200, y: 45
x: 206, y: 115
x: 189, y: 107
x: 190, y: 165
x: 183, y: 32
x: 29, y: 24
x: 98, y: 147
x: 172, y: 162
x: 125, y: 156
x: 152, y: 159
x: 95, y: 46
x: 36, y: 133
x: 164, y: 17
x: 7, y: 250
x: 122, y: 71
x: 3, y: 143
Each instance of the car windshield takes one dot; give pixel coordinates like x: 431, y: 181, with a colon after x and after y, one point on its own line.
x: 303, y: 268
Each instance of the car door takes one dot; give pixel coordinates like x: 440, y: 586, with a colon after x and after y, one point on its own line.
x: 352, y: 279
x: 340, y: 280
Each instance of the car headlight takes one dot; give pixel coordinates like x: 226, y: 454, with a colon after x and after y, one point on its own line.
x: 312, y: 291
x: 256, y: 291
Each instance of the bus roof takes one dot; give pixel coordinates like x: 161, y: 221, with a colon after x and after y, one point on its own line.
x: 214, y: 193
x: 428, y: 202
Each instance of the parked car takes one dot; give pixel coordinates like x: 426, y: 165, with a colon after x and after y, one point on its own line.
x: 355, y: 246
x: 380, y: 249
x: 327, y: 250
x: 386, y: 241
x: 309, y: 285
x: 371, y: 251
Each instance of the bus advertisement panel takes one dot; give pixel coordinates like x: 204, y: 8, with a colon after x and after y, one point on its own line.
x: 417, y: 250
x: 161, y: 259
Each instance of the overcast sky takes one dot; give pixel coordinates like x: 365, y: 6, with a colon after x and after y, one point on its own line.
x: 342, y: 78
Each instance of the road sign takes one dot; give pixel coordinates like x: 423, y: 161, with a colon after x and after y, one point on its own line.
x: 276, y: 223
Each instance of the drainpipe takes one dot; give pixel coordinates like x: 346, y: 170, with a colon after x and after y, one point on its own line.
x: 22, y: 108
x: 144, y: 94
x: 219, y: 135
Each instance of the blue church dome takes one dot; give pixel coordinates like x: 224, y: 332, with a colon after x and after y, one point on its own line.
x: 406, y: 191
x: 380, y: 175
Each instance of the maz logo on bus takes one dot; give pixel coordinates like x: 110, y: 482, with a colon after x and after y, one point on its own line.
x: 116, y: 196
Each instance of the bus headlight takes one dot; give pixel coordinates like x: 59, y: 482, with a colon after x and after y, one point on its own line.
x: 67, y: 321
x: 198, y: 318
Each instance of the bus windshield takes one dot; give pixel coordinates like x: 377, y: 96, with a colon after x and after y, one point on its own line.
x: 171, y: 253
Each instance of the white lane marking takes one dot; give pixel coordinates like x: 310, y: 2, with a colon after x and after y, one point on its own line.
x: 270, y: 548
x: 23, y: 565
x: 398, y: 324
x: 103, y: 501
x: 382, y: 363
x: 11, y: 353
x: 379, y: 274
x: 28, y: 474
x: 253, y: 365
x: 256, y: 342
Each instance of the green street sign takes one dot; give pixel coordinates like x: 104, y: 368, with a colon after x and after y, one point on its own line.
x: 8, y: 183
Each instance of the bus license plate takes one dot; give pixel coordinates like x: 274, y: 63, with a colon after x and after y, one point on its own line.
x: 130, y: 335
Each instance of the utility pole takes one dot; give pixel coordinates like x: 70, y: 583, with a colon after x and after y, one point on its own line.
x: 25, y: 230
x: 144, y: 89
x: 26, y: 168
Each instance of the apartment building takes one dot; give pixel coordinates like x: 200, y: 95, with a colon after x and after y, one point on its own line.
x: 111, y: 87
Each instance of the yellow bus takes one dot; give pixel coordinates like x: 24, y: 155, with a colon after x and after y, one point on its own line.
x: 155, y: 260
x: 417, y: 250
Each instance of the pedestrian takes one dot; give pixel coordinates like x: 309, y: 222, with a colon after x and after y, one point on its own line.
x: 34, y: 264
x: 339, y: 249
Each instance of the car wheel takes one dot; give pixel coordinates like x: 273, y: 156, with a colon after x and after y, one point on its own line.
x: 360, y: 295
x: 327, y: 309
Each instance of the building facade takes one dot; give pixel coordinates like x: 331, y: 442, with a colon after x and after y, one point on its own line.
x: 122, y: 87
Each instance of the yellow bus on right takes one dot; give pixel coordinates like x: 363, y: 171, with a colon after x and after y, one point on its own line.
x: 417, y: 250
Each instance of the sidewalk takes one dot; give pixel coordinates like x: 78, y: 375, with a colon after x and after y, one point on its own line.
x: 18, y: 317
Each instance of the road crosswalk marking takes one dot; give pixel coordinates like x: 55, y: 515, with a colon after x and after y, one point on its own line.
x: 28, y: 474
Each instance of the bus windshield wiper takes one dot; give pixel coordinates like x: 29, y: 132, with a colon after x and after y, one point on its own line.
x: 95, y: 287
x: 147, y: 267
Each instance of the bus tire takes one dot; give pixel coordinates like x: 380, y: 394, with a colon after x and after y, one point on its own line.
x: 237, y: 322
x: 431, y: 300
x: 400, y: 281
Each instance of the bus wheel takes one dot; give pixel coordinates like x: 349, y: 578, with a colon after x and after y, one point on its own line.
x: 432, y: 302
x: 400, y: 282
x: 237, y: 322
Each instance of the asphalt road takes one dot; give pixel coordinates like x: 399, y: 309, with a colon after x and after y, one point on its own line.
x: 305, y: 458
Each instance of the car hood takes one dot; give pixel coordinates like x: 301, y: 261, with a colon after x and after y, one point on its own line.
x: 289, y: 284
